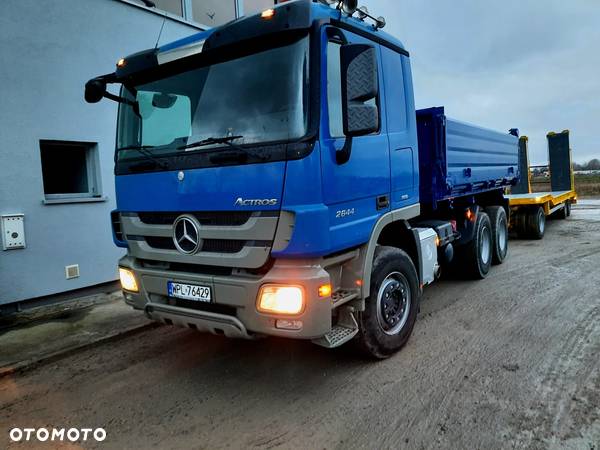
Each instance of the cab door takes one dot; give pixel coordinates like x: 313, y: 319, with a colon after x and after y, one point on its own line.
x: 357, y: 191
x: 402, y: 129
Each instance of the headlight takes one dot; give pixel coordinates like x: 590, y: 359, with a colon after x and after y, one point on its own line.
x: 128, y: 281
x: 281, y: 299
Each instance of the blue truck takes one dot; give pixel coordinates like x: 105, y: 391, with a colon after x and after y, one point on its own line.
x: 273, y: 178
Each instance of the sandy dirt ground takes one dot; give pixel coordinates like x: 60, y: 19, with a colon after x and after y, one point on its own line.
x: 512, y: 361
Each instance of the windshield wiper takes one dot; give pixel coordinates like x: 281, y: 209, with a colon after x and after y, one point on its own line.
x: 211, y: 141
x: 144, y: 151
x: 241, y: 153
x: 136, y: 147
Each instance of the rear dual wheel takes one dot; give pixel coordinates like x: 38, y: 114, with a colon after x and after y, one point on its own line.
x: 499, y: 221
x: 477, y: 255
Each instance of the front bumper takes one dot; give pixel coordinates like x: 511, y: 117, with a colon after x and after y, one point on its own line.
x: 237, y: 295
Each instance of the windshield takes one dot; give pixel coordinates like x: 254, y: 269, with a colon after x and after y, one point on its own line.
x: 254, y: 99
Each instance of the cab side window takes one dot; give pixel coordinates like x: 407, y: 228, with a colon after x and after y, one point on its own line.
x: 334, y: 89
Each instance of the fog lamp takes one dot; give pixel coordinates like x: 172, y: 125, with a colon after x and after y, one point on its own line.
x: 281, y: 299
x: 128, y: 281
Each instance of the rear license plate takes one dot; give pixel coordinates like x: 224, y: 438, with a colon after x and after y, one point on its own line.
x: 189, y: 292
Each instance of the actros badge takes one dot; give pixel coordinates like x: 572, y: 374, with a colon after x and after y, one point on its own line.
x: 256, y: 202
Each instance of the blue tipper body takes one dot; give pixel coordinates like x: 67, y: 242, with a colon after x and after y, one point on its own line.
x: 458, y: 159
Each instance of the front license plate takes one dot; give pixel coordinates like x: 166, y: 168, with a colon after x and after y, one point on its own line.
x: 189, y: 292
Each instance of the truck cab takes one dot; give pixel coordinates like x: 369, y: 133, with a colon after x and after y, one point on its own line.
x: 265, y: 172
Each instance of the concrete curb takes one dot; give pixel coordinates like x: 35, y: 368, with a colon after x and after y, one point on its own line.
x: 24, y: 366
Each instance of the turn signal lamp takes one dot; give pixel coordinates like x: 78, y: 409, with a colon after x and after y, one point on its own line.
x: 128, y: 281
x: 469, y: 214
x: 281, y: 299
x: 268, y: 14
x: 325, y: 290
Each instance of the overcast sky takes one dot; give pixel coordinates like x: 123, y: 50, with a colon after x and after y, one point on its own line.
x: 528, y: 64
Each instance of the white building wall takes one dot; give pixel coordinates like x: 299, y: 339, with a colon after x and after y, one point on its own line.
x: 48, y: 50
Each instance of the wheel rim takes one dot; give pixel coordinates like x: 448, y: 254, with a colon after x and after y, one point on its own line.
x: 393, y: 303
x: 542, y: 221
x: 502, y: 236
x: 486, y: 245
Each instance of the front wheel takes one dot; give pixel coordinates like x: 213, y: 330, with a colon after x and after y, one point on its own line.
x: 392, y: 306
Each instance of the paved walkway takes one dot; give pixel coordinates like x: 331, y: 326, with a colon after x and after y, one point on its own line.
x: 69, y: 327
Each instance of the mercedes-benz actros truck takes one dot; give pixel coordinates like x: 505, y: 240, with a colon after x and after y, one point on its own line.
x: 273, y: 178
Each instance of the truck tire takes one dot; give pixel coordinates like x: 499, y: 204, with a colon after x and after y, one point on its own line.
x: 520, y: 223
x: 536, y: 223
x: 478, y: 254
x: 499, y: 233
x: 392, y: 306
x: 565, y: 211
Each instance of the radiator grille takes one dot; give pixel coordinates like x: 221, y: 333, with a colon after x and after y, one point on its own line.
x: 115, y: 218
x: 219, y: 218
x: 208, y: 245
x: 240, y: 239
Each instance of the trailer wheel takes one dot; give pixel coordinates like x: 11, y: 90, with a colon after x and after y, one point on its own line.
x: 392, y: 306
x: 565, y: 211
x: 499, y: 222
x: 536, y: 223
x: 478, y: 254
x: 520, y: 223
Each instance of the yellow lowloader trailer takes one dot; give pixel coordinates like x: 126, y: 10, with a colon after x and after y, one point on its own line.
x: 529, y: 210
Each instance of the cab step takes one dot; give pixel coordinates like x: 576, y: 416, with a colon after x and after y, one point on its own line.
x: 341, y: 296
x: 342, y: 332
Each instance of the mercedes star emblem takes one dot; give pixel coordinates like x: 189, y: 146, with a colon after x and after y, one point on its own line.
x: 185, y: 235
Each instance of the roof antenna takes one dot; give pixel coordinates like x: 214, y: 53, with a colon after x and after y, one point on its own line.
x: 161, y: 30
x: 151, y: 4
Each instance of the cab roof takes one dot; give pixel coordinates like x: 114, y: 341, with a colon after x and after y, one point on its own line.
x: 303, y: 13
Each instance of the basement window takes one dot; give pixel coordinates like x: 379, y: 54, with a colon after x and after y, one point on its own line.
x: 70, y: 171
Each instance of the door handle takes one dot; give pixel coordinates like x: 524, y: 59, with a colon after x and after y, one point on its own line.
x: 383, y: 202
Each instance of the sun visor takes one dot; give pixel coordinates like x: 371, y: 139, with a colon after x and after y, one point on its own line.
x: 286, y: 17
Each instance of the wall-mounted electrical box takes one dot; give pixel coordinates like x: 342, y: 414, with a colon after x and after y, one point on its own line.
x: 72, y: 271
x: 13, y: 231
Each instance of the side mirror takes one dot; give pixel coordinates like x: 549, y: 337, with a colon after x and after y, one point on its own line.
x: 360, y: 85
x: 163, y: 101
x: 94, y: 90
